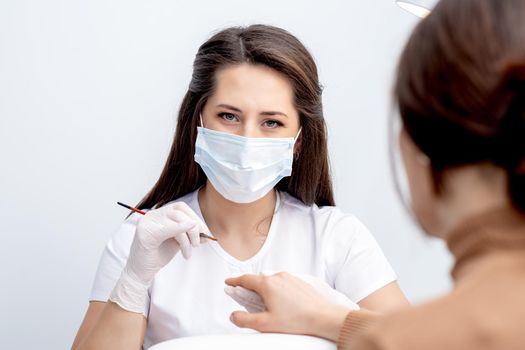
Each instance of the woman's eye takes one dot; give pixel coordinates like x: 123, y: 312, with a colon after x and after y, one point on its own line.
x: 272, y: 124
x: 228, y: 117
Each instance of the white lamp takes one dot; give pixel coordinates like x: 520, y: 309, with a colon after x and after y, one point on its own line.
x: 420, y: 8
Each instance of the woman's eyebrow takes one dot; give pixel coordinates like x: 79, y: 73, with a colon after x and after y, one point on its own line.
x: 230, y: 107
x: 274, y: 113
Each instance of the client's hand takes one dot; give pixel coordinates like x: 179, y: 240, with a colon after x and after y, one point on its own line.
x: 292, y: 306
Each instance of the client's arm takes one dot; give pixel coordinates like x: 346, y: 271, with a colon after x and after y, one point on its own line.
x: 293, y: 306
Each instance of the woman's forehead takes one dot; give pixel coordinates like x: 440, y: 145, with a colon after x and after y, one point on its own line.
x: 253, y: 87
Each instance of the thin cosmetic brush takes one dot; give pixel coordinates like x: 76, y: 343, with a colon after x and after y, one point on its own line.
x: 203, y: 235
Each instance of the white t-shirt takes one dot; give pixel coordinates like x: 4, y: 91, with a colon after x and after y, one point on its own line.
x: 187, y: 296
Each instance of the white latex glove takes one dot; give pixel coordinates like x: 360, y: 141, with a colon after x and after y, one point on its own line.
x: 254, y: 303
x: 248, y: 299
x: 160, y: 234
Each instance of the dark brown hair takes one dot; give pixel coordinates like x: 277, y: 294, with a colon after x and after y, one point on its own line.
x: 275, y: 48
x: 460, y: 87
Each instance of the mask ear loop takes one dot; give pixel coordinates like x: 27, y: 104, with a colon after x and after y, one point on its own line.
x: 296, y: 155
x: 202, y: 124
x: 298, y: 133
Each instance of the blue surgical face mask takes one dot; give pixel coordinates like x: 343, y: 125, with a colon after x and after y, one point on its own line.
x: 243, y: 169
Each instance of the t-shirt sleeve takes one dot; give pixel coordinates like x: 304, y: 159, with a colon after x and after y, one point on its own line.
x: 113, y: 260
x: 355, y: 263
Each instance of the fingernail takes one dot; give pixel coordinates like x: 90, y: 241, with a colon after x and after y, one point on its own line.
x: 229, y: 290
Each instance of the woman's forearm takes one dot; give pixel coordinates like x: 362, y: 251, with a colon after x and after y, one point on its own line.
x: 115, y: 329
x: 386, y: 299
x: 333, y: 321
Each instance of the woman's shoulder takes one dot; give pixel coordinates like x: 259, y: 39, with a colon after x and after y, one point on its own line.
x: 328, y: 217
x: 292, y: 203
x: 190, y: 199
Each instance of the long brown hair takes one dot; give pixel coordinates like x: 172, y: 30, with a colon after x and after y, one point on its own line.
x: 460, y: 88
x: 310, y: 181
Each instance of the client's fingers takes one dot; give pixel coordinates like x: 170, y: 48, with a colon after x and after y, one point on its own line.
x: 257, y: 321
x: 252, y: 282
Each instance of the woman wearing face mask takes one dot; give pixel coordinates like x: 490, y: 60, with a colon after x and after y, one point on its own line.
x: 461, y: 94
x: 248, y: 166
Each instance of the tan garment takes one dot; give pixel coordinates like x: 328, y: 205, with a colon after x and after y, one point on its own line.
x: 486, y: 308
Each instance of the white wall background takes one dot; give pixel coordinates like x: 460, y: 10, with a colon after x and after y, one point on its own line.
x: 88, y: 95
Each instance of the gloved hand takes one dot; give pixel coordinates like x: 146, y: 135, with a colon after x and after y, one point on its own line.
x: 160, y: 234
x: 253, y: 302
x: 249, y: 299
